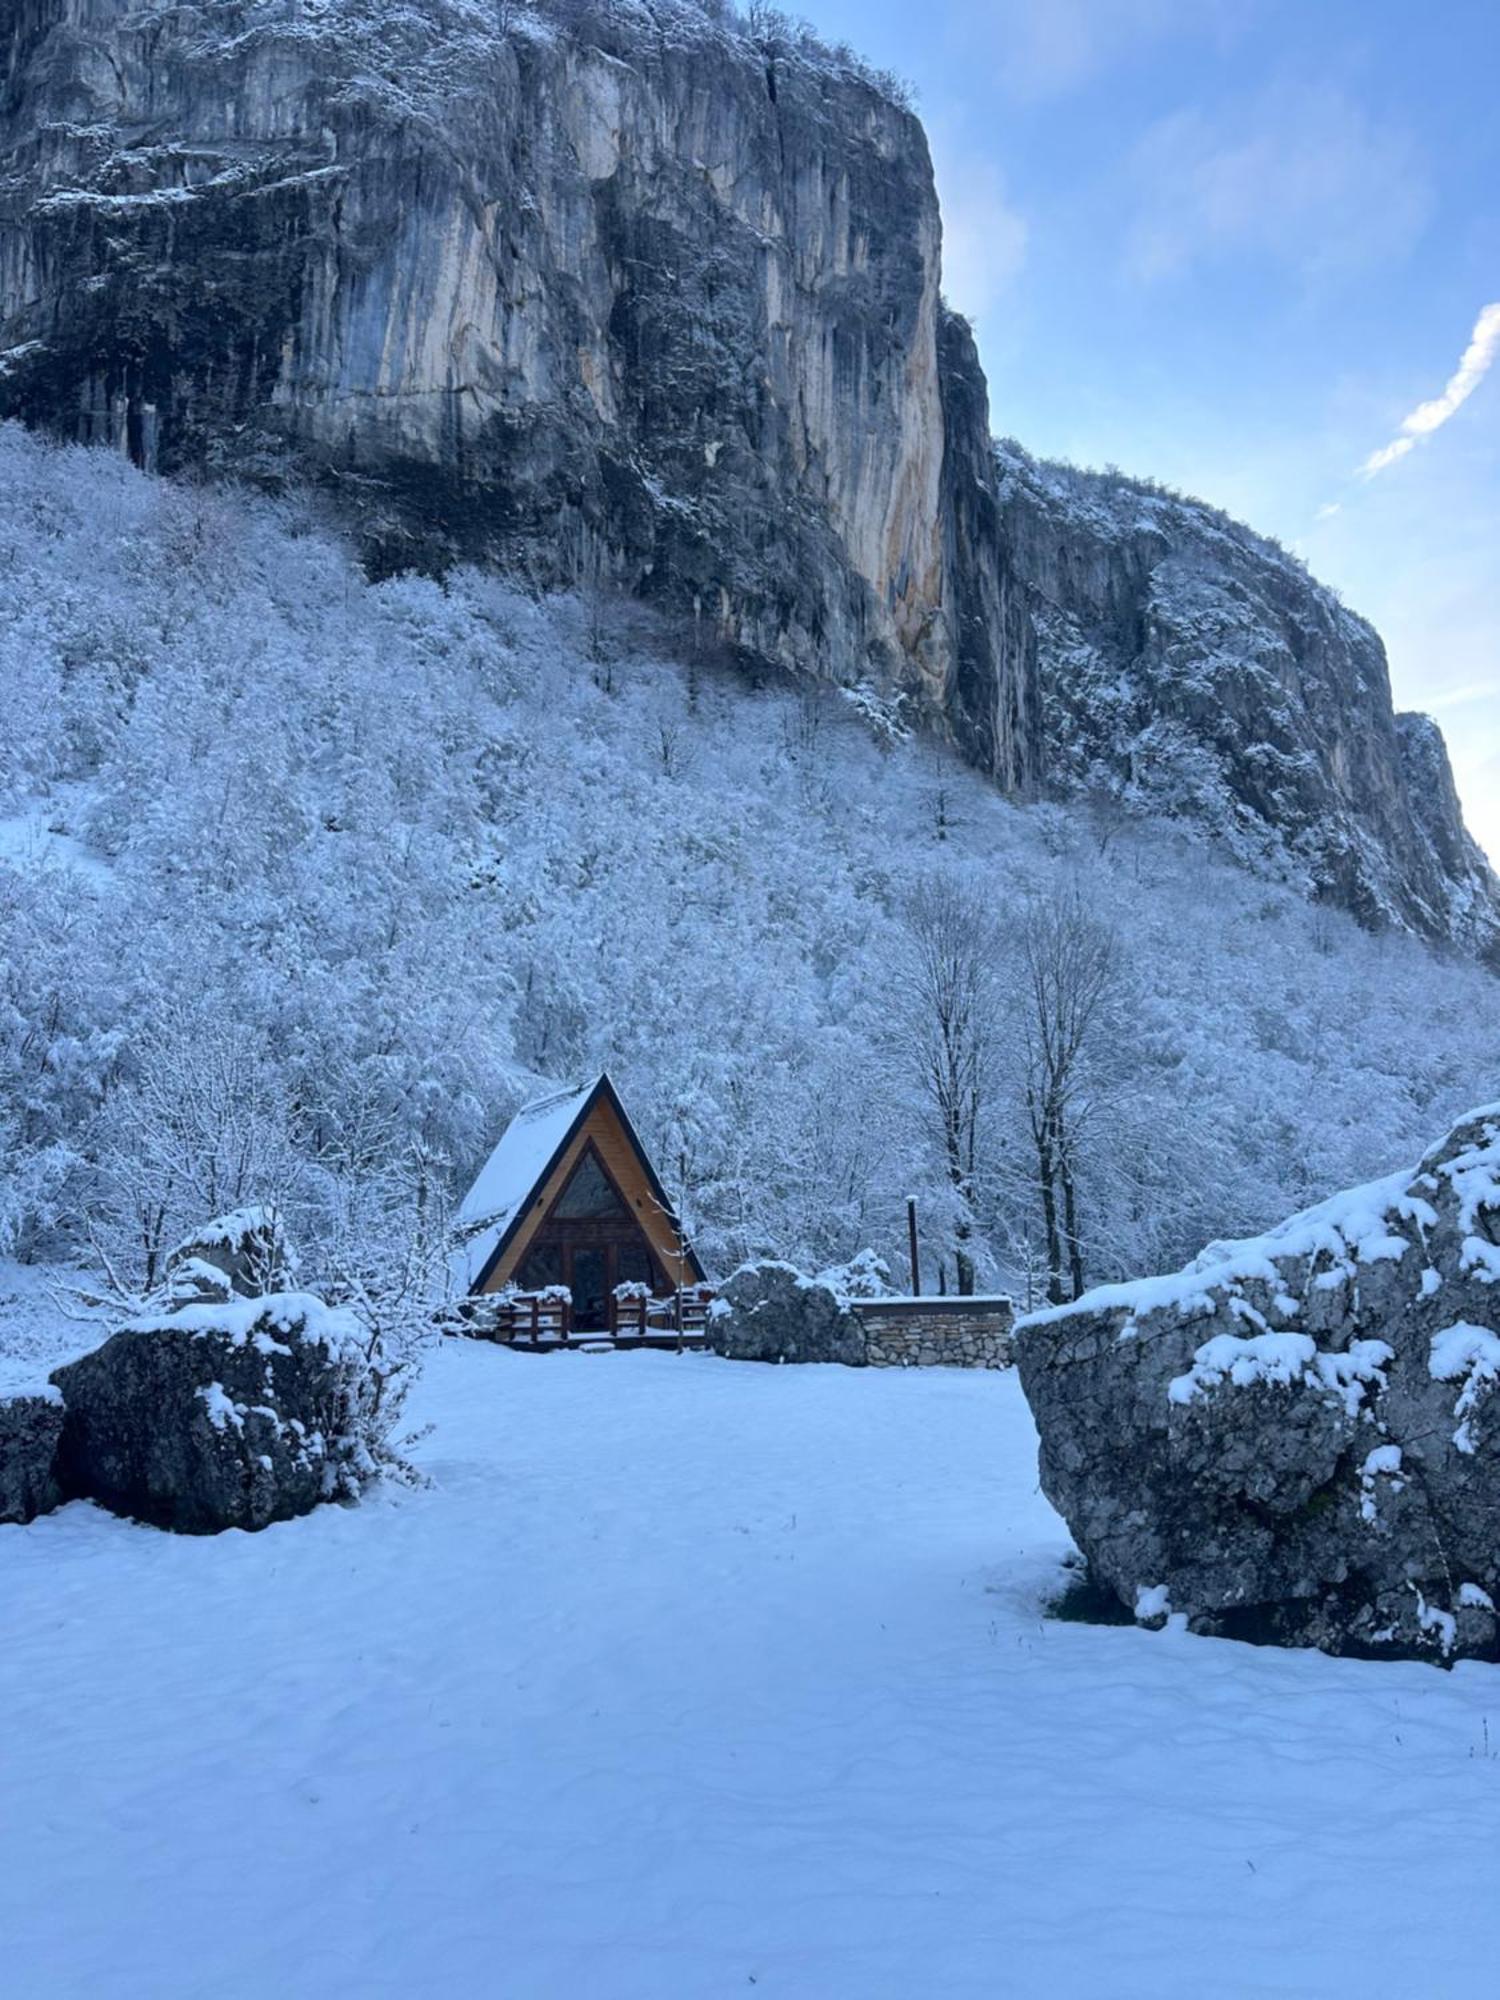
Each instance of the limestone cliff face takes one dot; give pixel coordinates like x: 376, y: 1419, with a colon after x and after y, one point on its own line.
x: 1194, y: 668
x: 642, y: 300
x: 615, y: 290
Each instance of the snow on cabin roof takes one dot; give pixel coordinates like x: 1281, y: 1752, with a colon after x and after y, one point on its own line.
x: 509, y: 1176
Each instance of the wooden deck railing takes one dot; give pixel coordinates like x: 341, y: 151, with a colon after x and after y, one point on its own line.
x: 545, y: 1319
x: 521, y: 1319
x: 638, y: 1319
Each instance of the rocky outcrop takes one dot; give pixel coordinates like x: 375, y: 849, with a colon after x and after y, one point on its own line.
x: 636, y: 296
x: 1298, y: 1438
x: 1190, y: 667
x: 993, y: 692
x: 220, y: 1416
x: 243, y: 1254
x: 31, y: 1422
x: 613, y: 293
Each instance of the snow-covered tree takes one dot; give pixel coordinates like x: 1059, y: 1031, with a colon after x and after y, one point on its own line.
x: 307, y: 882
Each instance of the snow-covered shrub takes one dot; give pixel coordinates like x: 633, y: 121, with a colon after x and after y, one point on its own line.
x: 865, y: 1276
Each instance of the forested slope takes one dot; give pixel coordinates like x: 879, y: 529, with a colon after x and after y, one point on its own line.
x: 306, y: 882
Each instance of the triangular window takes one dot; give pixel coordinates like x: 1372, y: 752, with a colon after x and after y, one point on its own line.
x: 589, y: 1194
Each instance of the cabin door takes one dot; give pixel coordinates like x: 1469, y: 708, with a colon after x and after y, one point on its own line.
x: 590, y: 1280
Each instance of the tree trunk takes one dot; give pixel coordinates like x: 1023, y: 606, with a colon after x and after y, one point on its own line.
x: 963, y: 1261
x: 963, y: 1229
x: 1070, y: 1224
x: 1045, y: 1179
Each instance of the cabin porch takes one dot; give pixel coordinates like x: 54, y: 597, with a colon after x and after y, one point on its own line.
x: 547, y: 1319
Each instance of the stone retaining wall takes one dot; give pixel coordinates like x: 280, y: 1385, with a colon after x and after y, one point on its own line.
x: 936, y: 1333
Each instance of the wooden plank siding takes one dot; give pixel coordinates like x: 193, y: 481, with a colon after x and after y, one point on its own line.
x: 603, y: 1127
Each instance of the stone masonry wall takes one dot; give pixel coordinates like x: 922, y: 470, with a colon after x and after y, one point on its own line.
x: 936, y: 1333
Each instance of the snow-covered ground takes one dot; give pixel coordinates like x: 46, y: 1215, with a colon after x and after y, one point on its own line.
x: 685, y: 1679
x: 29, y: 840
x: 43, y: 1322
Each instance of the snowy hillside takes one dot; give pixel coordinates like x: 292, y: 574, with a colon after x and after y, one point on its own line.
x: 690, y: 1679
x: 306, y: 883
x: 652, y: 291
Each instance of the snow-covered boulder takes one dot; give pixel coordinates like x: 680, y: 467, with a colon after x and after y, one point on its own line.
x: 1297, y: 1438
x: 772, y: 1312
x: 31, y: 1421
x: 224, y: 1415
x: 244, y: 1254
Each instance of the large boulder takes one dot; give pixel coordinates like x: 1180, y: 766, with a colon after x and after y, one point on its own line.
x: 226, y: 1415
x: 1297, y: 1438
x: 244, y: 1254
x: 31, y: 1421
x: 772, y: 1312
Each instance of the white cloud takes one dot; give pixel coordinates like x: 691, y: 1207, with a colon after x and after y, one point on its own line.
x: 984, y: 237
x: 1470, y: 691
x: 1300, y: 174
x: 1484, y: 344
x: 1045, y: 48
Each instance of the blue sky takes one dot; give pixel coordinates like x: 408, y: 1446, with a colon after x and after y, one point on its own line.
x: 1235, y: 244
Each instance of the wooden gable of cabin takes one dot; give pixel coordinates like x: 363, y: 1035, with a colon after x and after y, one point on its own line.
x: 597, y: 1218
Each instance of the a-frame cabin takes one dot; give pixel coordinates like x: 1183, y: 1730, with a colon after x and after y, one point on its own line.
x: 569, y: 1197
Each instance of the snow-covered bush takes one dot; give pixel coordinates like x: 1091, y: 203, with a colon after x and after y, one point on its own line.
x: 865, y: 1276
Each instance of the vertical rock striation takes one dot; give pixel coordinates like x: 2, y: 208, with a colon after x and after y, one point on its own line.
x: 640, y: 302
x: 628, y: 294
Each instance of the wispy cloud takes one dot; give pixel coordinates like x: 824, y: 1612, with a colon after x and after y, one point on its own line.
x: 1484, y: 344
x: 1048, y: 48
x: 1458, y: 697
x: 1299, y: 174
x: 984, y: 236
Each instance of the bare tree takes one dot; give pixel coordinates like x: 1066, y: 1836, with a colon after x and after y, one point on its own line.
x: 671, y: 744
x: 952, y: 1001
x: 1069, y: 971
x: 772, y: 29
x: 201, y: 1128
x: 1109, y: 816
